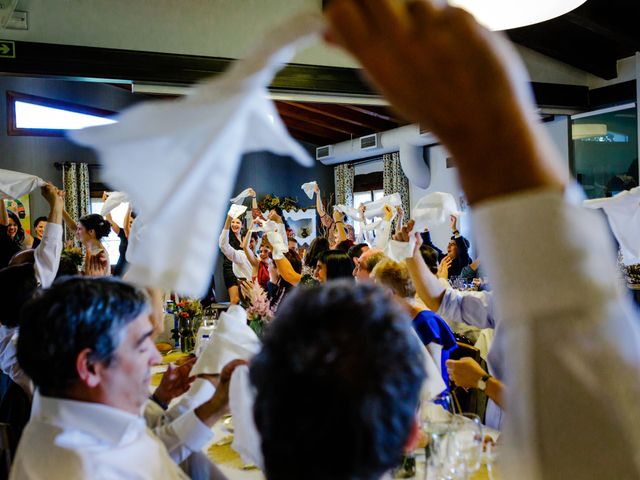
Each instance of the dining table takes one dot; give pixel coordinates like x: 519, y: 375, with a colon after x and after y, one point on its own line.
x: 219, y: 450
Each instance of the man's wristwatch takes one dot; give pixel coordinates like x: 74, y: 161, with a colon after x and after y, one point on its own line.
x: 482, y: 383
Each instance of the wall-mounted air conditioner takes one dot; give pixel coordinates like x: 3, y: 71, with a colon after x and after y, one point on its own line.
x: 370, y: 141
x: 324, y: 152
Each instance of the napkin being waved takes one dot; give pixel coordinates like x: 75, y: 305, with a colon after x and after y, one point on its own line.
x: 177, y: 160
x: 623, y: 214
x: 431, y: 210
x: 113, y: 201
x: 236, y: 210
x: 232, y: 339
x: 246, y: 438
x: 309, y: 188
x: 240, y: 198
x: 17, y: 184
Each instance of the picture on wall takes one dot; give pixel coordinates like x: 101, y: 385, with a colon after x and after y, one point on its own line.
x: 21, y: 207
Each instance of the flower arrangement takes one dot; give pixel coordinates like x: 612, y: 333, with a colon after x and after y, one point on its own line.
x: 187, y: 311
x: 74, y: 254
x: 269, y: 202
x: 259, y: 309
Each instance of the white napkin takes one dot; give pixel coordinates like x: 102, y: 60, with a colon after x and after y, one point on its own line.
x: 236, y: 210
x: 434, y: 383
x: 113, y: 201
x: 277, y: 236
x: 375, y: 208
x: 434, y: 209
x: 177, y: 160
x: 16, y: 184
x: 240, y: 198
x: 232, y: 339
x: 623, y: 213
x: 309, y: 188
x: 348, y: 211
x: 246, y: 439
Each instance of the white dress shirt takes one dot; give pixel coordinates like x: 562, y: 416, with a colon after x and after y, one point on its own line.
x: 73, y: 440
x: 476, y: 309
x: 242, y: 268
x: 47, y: 254
x: 47, y: 259
x: 572, y: 340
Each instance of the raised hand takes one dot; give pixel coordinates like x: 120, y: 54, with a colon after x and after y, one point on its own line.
x: 443, y: 268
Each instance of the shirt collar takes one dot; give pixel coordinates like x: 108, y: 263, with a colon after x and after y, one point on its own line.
x: 104, y: 422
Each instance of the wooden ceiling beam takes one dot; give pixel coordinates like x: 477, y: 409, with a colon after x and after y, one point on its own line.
x: 321, y: 132
x: 307, y: 137
x: 342, y: 113
x: 295, y: 113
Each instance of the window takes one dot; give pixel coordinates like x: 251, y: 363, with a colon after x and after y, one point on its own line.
x: 39, y: 116
x: 605, y: 150
x: 363, y: 197
x: 111, y: 242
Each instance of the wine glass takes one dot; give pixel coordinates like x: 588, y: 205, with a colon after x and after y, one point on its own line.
x: 436, y: 422
x: 465, y: 445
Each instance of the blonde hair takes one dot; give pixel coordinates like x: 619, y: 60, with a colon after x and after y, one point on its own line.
x: 394, y: 275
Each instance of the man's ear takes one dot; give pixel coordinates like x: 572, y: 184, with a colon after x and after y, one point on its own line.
x: 88, y: 369
x: 414, y: 436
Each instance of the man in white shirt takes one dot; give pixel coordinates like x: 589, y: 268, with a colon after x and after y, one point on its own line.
x: 86, y: 344
x: 573, y: 338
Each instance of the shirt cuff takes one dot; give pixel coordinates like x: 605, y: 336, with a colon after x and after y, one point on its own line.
x: 191, y: 431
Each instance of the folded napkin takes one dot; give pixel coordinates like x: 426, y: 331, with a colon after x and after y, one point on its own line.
x: 246, y: 439
x: 16, y: 184
x: 240, y: 198
x: 236, y: 210
x: 623, y: 214
x: 232, y: 339
x: 113, y: 201
x: 309, y: 188
x: 178, y: 160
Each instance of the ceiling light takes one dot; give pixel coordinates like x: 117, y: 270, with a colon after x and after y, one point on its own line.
x: 506, y: 14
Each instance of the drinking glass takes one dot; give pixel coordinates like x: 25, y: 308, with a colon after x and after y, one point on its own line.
x: 465, y: 445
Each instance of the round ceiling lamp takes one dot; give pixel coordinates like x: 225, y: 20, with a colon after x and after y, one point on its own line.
x: 506, y: 14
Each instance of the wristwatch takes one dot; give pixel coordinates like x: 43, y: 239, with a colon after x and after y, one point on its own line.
x: 482, y: 383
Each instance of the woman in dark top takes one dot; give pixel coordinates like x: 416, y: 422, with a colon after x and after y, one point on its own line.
x: 230, y: 280
x: 123, y: 234
x: 12, y: 235
x: 38, y: 230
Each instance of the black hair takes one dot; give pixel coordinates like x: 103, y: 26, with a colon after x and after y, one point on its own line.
x: 337, y: 358
x: 74, y: 314
x: 38, y: 220
x: 17, y: 285
x: 338, y: 264
x: 430, y: 257
x: 345, y: 245
x: 67, y: 267
x: 356, y: 250
x: 318, y: 245
x: 19, y: 238
x: 97, y: 223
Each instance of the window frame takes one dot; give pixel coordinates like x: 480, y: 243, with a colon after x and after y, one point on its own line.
x: 13, y: 130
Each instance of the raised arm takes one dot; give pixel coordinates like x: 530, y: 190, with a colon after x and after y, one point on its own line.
x: 286, y: 271
x: 338, y: 219
x: 71, y: 223
x: 47, y: 254
x: 428, y: 287
x: 255, y: 263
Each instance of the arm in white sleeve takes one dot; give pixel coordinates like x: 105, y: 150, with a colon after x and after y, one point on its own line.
x: 472, y: 308
x: 47, y: 254
x: 383, y: 234
x: 228, y: 251
x: 179, y: 429
x: 573, y: 349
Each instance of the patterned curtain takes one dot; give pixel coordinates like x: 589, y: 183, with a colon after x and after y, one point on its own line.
x: 344, y: 184
x: 395, y: 181
x: 75, y: 178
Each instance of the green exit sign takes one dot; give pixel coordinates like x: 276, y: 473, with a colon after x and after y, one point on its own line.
x: 7, y: 49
